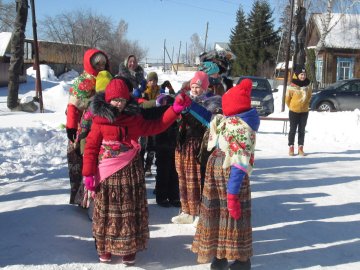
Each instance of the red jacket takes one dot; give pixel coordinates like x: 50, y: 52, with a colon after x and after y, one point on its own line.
x: 124, y: 129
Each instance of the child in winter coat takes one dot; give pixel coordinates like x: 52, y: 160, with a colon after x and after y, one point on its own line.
x: 150, y: 94
x: 298, y: 95
x: 213, y: 71
x: 113, y: 168
x: 191, y: 132
x: 167, y: 181
x: 83, y: 89
x: 224, y: 229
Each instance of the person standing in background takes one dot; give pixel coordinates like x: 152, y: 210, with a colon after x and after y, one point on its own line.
x: 167, y: 180
x: 81, y: 92
x: 213, y: 71
x: 131, y: 70
x: 151, y: 92
x: 298, y: 95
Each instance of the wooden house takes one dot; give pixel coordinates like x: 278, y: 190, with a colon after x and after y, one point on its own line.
x: 339, y: 58
x: 61, y: 57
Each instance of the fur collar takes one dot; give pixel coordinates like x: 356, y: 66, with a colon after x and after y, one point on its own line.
x: 99, y: 107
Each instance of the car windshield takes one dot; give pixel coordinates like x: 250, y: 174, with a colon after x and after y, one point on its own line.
x: 336, y: 85
x: 259, y: 84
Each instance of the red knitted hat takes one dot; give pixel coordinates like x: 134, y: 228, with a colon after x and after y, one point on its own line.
x: 117, y: 88
x: 201, y: 79
x: 238, y: 98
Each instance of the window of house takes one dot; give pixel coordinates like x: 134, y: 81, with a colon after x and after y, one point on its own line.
x: 319, y: 70
x: 345, y: 68
x: 28, y: 51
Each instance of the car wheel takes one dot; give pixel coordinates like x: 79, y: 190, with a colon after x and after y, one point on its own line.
x: 325, y: 106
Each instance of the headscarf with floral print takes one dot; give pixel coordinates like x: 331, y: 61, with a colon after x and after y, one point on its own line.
x: 235, y: 138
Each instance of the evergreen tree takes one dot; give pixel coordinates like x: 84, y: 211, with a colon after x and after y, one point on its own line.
x: 263, y: 38
x: 239, y: 43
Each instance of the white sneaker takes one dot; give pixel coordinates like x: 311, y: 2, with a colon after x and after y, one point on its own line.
x: 196, y: 221
x: 183, y: 218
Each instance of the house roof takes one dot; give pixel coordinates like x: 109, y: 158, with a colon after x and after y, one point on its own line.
x: 222, y: 46
x: 345, y: 33
x: 5, y: 38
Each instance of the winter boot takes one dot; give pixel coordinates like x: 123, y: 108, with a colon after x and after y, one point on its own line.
x: 291, y: 150
x: 129, y: 259
x: 219, y: 264
x: 238, y: 265
x: 301, y: 150
x: 105, y: 258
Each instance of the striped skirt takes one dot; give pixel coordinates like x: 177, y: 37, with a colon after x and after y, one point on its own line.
x: 188, y: 169
x: 217, y: 233
x: 121, y: 218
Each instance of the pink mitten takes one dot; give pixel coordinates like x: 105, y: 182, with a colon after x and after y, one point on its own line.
x: 234, y: 207
x: 89, y: 182
x: 182, y: 102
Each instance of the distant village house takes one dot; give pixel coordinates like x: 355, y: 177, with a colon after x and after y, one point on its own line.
x: 339, y: 59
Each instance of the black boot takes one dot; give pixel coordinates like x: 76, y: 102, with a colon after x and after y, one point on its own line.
x: 219, y: 264
x: 238, y: 265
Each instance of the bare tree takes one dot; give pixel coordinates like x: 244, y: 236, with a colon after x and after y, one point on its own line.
x: 195, y: 48
x: 79, y: 27
x: 119, y: 47
x: 89, y: 29
x: 7, y: 16
x: 328, y: 8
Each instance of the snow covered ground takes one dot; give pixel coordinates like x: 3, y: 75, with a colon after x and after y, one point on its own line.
x: 306, y: 210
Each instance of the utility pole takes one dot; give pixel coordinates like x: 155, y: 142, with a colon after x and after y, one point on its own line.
x: 164, y: 53
x: 287, y: 56
x: 178, y: 59
x: 206, y: 35
x: 36, y: 62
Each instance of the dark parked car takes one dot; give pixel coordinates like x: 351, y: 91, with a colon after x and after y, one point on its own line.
x: 340, y: 96
x: 261, y: 95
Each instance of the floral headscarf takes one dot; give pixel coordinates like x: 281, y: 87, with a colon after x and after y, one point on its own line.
x: 235, y: 137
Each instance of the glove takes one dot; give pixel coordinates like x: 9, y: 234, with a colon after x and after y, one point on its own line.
x: 102, y: 80
x: 89, y: 182
x: 233, y: 205
x: 182, y: 102
x: 162, y: 90
x: 137, y: 92
x: 161, y: 100
x: 143, y: 85
x: 71, y: 134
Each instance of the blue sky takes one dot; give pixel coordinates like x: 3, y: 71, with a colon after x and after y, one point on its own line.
x: 152, y: 21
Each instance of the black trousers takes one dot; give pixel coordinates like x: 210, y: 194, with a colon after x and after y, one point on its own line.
x: 167, y: 181
x: 297, y: 122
